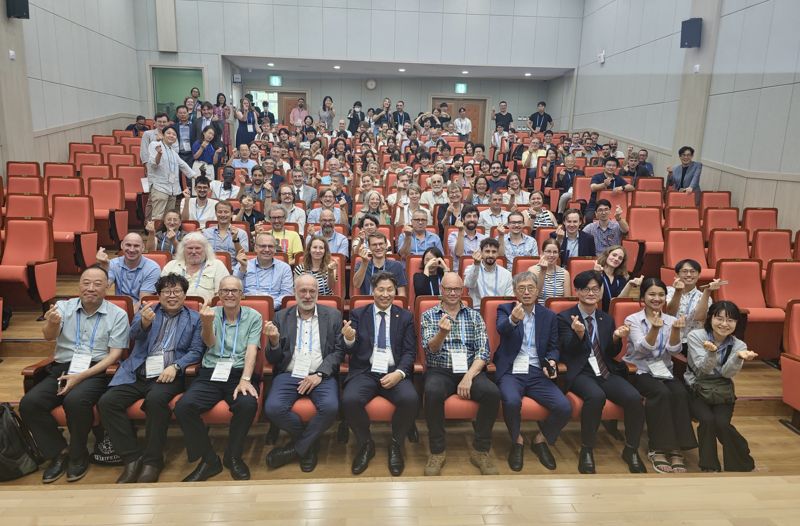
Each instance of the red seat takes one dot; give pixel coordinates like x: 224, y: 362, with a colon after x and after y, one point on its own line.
x: 96, y: 171
x: 59, y: 170
x: 160, y: 257
x: 650, y: 184
x: 27, y: 267
x: 647, y: 198
x: 581, y: 191
x: 682, y: 217
x: 680, y: 199
x: 616, y: 199
x: 63, y: 186
x: 74, y: 235
x: 620, y: 309
x: 558, y: 305
x: 772, y: 244
x: 24, y: 184
x: 759, y: 219
x: 790, y: 364
x: 121, y: 134
x: 109, y: 209
x: 645, y: 226
x: 782, y: 282
x: 22, y: 168
x: 99, y: 140
x: 26, y: 205
x: 87, y: 159
x: 611, y: 411
x: 128, y: 142
x: 118, y: 160
x: 131, y: 177
x: 489, y: 308
x: 577, y: 265
x: 523, y: 263
x: 727, y: 243
x: 79, y: 147
x: 107, y: 150
x: 714, y: 218
x: 542, y: 233
x: 684, y: 244
x: 715, y: 200
x: 414, y: 265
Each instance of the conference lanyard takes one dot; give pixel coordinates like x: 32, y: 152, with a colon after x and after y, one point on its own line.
x: 199, y: 275
x: 78, y: 339
x: 607, y: 283
x: 529, y: 337
x: 299, y: 343
x: 438, y: 284
x: 235, y: 335
x: 167, y: 341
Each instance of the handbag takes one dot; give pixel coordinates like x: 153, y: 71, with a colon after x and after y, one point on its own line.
x: 103, y: 452
x: 19, y: 454
x: 714, y: 390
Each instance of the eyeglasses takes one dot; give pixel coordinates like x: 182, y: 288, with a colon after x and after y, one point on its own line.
x: 452, y: 290
x: 602, y: 210
x: 271, y: 245
x: 527, y: 288
x: 591, y: 290
x: 229, y: 292
x: 689, y: 271
x: 515, y: 222
x: 172, y: 293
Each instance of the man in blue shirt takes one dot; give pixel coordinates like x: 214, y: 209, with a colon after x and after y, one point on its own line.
x: 607, y: 180
x: 415, y: 238
x: 373, y: 260
x: 133, y: 274
x: 264, y: 275
x: 337, y: 242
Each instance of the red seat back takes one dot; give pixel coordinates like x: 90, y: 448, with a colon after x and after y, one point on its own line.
x: 26, y: 205
x: 82, y: 159
x: 581, y: 186
x: 650, y: 183
x: 682, y: 217
x: 719, y: 218
x: 24, y: 184
x: 645, y: 224
x: 59, y: 170
x: 675, y: 199
x: 759, y: 219
x: 620, y: 309
x: 684, y: 243
x: 95, y: 171
x: 27, y: 240
x: 791, y: 329
x: 558, y: 305
x: 131, y: 177
x: 744, y: 283
x: 616, y: 199
x: 727, y: 243
x: 108, y: 194
x: 73, y: 214
x: 772, y: 244
x: 715, y: 200
x: 22, y: 168
x: 160, y: 257
x: 489, y: 308
x: 523, y: 263
x: 647, y: 198
x: 79, y: 147
x: 577, y: 265
x: 781, y: 284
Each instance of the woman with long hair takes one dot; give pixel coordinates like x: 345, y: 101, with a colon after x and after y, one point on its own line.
x: 195, y: 260
x: 327, y: 113
x: 428, y: 281
x: 317, y: 261
x: 376, y: 206
x: 480, y: 191
x: 552, y: 280
x: 537, y: 215
x: 223, y: 113
x: 248, y: 124
x: 612, y: 265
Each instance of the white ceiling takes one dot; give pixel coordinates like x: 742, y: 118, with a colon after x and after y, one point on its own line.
x: 304, y: 68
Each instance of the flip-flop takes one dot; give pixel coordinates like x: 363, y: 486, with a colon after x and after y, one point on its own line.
x: 659, y: 461
x: 677, y: 462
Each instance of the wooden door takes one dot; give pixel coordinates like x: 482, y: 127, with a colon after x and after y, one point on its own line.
x: 476, y: 112
x: 287, y: 101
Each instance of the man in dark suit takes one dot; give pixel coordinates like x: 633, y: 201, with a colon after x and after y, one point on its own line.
x: 305, y: 348
x: 207, y: 118
x: 382, y: 344
x: 573, y: 242
x: 686, y: 175
x: 268, y: 116
x: 589, y: 346
x: 526, y: 365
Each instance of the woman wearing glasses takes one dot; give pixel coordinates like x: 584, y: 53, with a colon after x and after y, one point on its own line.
x: 684, y: 298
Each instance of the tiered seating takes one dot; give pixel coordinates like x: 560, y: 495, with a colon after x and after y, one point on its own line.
x: 27, y: 267
x: 790, y: 364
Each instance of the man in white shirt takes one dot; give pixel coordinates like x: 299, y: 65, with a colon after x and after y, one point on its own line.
x: 463, y: 124
x: 241, y: 159
x: 434, y: 196
x: 495, y: 215
x: 162, y: 119
x: 485, y: 278
x: 164, y: 167
x: 200, y: 208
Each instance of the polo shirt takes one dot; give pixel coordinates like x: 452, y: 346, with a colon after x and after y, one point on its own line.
x: 108, y: 324
x: 419, y: 247
x: 249, y: 333
x: 396, y: 268
x: 134, y: 281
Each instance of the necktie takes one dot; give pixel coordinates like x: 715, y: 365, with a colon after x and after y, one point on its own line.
x: 297, y: 195
x: 601, y: 364
x: 382, y: 331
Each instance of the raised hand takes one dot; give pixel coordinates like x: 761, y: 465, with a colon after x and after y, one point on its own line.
x: 598, y: 267
x: 150, y: 226
x: 53, y: 315
x: 241, y: 257
x: 459, y: 224
x: 187, y: 193
x: 101, y: 256
x: 333, y: 265
x: 501, y: 229
x: 747, y: 355
x: 518, y: 314
x: 544, y: 264
x: 348, y: 331
x: 158, y: 149
x: 622, y: 331
x: 273, y: 335
x: 560, y: 231
x: 445, y: 325
x: 364, y: 252
x: 618, y: 212
x: 715, y: 284
x: 242, y: 179
x: 443, y: 264
x: 476, y: 256
x: 147, y: 313
x: 658, y: 321
x: 678, y: 284
x: 206, y: 314
x: 680, y: 323
x: 170, y: 234
x: 577, y: 326
x: 709, y: 346
x: 637, y: 282
x: 234, y: 233
x: 407, y: 230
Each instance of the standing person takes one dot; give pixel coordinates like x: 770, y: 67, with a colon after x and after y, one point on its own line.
x: 183, y: 127
x: 298, y: 114
x: 164, y: 167
x: 208, y: 118
x: 355, y: 117
x: 223, y: 114
x: 400, y: 117
x: 268, y: 116
x: 589, y: 343
x: 248, y: 124
x: 540, y: 121
x: 161, y: 120
x: 463, y: 124
x: 90, y: 335
x: 503, y: 118
x: 327, y: 113
x: 686, y: 175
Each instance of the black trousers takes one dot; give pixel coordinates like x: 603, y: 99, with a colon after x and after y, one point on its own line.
x: 113, y: 412
x: 715, y: 424
x: 360, y: 389
x: 666, y: 410
x: 594, y: 390
x: 202, y: 395
x: 78, y: 404
x: 441, y: 383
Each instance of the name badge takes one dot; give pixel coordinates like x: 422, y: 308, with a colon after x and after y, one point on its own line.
x: 521, y: 364
x: 302, y: 364
x: 659, y: 370
x: 222, y: 371
x: 459, y: 362
x: 380, y: 361
x: 595, y: 367
x: 250, y: 128
x: 80, y: 362
x: 154, y: 366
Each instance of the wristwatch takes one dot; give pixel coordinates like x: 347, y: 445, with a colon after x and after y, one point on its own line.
x: 246, y: 378
x: 320, y: 374
x: 177, y: 367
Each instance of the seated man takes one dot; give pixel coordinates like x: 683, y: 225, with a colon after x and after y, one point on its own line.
x: 264, y: 275
x: 305, y: 349
x: 90, y: 334
x: 607, y: 180
x: 416, y: 238
x: 589, y: 343
x: 224, y: 237
x: 573, y: 242
x: 226, y: 190
x: 166, y: 339
x: 232, y: 334
x: 337, y: 242
x: 382, y: 344
x: 293, y: 213
x: 200, y: 208
x: 467, y: 240
x: 605, y: 232
x: 373, y: 260
x: 287, y: 241
x: 134, y: 275
x: 456, y: 352
x: 526, y: 366
x: 485, y: 278
x: 516, y: 243
x: 495, y: 215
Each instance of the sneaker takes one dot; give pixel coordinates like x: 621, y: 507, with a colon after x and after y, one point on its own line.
x: 482, y: 461
x: 435, y: 463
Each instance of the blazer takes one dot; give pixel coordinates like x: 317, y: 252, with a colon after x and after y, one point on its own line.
x: 575, y: 353
x: 189, y: 346
x: 511, y: 338
x: 330, y: 339
x: 692, y: 178
x: 396, y: 115
x: 309, y: 195
x: 197, y: 132
x: 402, y: 336
x: 586, y: 247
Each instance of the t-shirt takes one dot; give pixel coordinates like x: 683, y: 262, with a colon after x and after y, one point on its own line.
x: 503, y: 120
x: 232, y: 339
x: 601, y: 177
x: 396, y: 268
x: 540, y: 120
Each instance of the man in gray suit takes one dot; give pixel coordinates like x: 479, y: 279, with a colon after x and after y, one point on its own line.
x: 302, y: 192
x: 686, y: 175
x: 305, y: 348
x: 207, y: 118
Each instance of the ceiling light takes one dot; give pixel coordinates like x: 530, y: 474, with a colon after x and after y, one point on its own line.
x: 527, y: 74
x: 401, y: 70
x: 465, y: 72
x: 337, y: 67
x: 271, y: 64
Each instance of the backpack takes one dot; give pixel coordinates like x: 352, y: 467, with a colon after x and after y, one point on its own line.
x: 19, y: 454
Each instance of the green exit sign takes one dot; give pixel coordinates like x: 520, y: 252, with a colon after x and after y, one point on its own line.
x: 275, y: 80
x: 461, y: 87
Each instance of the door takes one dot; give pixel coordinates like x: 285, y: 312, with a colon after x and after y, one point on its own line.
x: 476, y: 112
x: 287, y: 101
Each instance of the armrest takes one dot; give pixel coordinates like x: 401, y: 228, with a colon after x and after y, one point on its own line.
x: 191, y: 370
x: 33, y: 374
x: 118, y: 224
x: 85, y: 246
x: 42, y: 279
x: 790, y: 357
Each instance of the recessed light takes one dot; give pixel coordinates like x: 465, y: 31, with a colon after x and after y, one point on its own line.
x: 271, y: 64
x: 337, y: 67
x: 527, y: 74
x: 465, y: 72
x: 401, y: 70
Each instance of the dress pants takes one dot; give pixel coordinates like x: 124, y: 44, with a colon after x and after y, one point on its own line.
x: 202, y: 395
x: 537, y: 386
x: 594, y: 390
x: 715, y: 424
x: 666, y: 410
x: 282, y: 396
x: 113, y: 408
x: 440, y: 383
x: 362, y: 388
x: 78, y: 404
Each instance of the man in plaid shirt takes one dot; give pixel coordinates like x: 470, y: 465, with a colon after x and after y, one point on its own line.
x: 456, y: 352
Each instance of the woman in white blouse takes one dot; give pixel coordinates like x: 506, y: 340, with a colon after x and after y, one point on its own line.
x: 654, y: 337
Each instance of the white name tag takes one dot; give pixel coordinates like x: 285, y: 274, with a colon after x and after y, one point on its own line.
x: 80, y: 362
x: 380, y: 361
x: 459, y: 362
x: 222, y: 371
x: 250, y: 128
x: 659, y: 370
x: 595, y: 367
x: 302, y: 364
x: 521, y: 363
x: 154, y: 366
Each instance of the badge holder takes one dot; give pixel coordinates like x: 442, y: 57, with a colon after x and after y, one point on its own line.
x: 459, y: 362
x: 222, y: 371
x: 302, y: 365
x: 154, y: 366
x: 595, y: 366
x: 80, y: 361
x: 521, y: 364
x: 380, y: 361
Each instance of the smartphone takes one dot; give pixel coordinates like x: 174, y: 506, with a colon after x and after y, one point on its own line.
x: 551, y: 371
x: 62, y: 383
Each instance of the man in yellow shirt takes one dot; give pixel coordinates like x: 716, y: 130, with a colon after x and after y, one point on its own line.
x: 288, y: 241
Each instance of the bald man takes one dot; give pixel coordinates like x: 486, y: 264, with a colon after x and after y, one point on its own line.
x: 133, y: 274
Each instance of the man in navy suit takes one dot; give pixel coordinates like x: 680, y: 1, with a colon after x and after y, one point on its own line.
x: 526, y: 365
x: 589, y: 345
x: 382, y: 344
x: 573, y: 241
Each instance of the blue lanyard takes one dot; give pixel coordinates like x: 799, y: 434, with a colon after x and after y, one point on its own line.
x: 607, y: 282
x: 163, y: 240
x: 165, y: 343
x: 123, y: 288
x: 371, y: 269
x: 198, y: 213
x: 661, y: 342
x: 199, y: 275
x: 235, y: 335
x: 496, y: 281
x: 438, y: 284
x: 691, y: 302
x: 78, y: 339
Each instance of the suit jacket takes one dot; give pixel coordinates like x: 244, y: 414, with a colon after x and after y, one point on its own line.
x: 575, y: 353
x: 586, y: 247
x: 330, y: 339
x: 396, y: 118
x: 691, y: 179
x: 189, y: 346
x: 178, y: 129
x: 197, y: 132
x: 511, y: 337
x: 309, y: 195
x: 402, y: 337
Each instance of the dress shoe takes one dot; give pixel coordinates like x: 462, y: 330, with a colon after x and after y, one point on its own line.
x: 396, y: 462
x: 77, y: 470
x: 308, y: 462
x: 131, y: 472
x: 631, y: 457
x: 205, y: 470
x: 237, y: 467
x: 545, y: 456
x: 586, y: 461
x: 515, y: 456
x: 149, y: 474
x: 364, y: 455
x: 280, y: 456
x: 56, y: 468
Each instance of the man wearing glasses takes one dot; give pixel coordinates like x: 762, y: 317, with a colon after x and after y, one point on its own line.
x: 456, y: 352
x: 264, y: 275
x: 232, y: 334
x: 516, y: 243
x: 415, y: 238
x: 166, y: 339
x: 374, y: 261
x: 589, y: 343
x: 606, y: 232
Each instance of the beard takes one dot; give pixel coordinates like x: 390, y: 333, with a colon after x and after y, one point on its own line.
x: 471, y: 225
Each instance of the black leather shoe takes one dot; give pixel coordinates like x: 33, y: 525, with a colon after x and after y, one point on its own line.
x: 131, y: 472
x: 515, y: 456
x: 56, y: 468
x: 237, y: 467
x: 149, y: 474
x: 280, y: 456
x: 77, y: 470
x: 364, y: 455
x: 586, y: 461
x: 309, y: 461
x: 631, y: 457
x: 396, y: 462
x: 413, y: 434
x: 204, y: 471
x: 545, y: 456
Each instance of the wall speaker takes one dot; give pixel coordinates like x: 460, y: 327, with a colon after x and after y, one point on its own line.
x: 690, y: 32
x: 17, y: 9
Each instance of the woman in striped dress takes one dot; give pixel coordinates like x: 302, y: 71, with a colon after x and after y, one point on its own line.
x: 318, y: 262
x: 551, y: 280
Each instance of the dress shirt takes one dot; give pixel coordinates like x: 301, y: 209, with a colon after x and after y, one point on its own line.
x: 419, y: 246
x: 108, y: 323
x: 203, y: 214
x: 642, y: 354
x: 308, y: 341
x: 273, y: 280
x: 226, y: 244
x: 526, y: 247
x: 247, y: 333
x: 468, y: 335
x: 482, y: 283
x: 133, y: 282
x: 164, y: 175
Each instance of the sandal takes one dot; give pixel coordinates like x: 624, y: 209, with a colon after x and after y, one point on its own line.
x: 677, y: 462
x: 659, y: 461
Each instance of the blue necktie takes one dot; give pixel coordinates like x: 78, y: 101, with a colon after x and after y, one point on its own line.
x: 382, y: 331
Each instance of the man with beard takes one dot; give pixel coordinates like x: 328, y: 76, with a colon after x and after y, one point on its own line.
x: 467, y: 240
x: 484, y: 278
x: 200, y: 208
x: 336, y: 242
